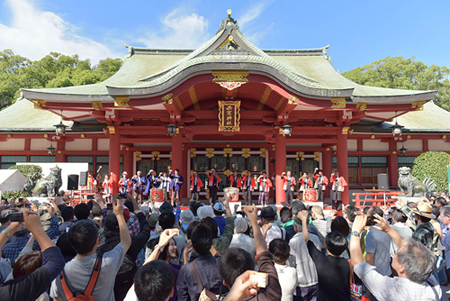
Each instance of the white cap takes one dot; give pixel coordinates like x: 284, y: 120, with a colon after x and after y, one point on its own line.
x: 205, y: 211
x: 240, y: 225
x: 219, y: 207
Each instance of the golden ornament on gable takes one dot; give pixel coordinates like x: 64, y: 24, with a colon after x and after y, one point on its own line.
x: 230, y: 76
x: 38, y: 103
x: 121, y: 101
x: 96, y: 105
x: 338, y: 102
x: 418, y: 105
x: 362, y: 106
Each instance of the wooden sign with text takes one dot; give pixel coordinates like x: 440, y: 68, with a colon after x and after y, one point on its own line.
x: 229, y: 116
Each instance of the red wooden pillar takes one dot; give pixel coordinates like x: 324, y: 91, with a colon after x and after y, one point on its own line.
x: 184, y: 174
x: 177, y: 154
x: 270, y: 168
x: 393, y: 164
x: 60, y: 147
x: 280, y: 167
x: 327, y: 166
x: 114, y: 156
x: 342, y: 163
x: 424, y: 145
x: 128, y: 162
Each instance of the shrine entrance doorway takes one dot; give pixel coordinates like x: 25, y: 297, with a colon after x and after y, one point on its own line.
x: 226, y: 161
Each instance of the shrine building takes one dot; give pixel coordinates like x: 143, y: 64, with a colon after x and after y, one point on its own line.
x: 228, y: 105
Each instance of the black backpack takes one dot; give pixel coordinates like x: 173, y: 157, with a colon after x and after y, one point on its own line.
x: 124, y: 278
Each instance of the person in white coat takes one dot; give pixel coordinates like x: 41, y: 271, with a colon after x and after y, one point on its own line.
x: 287, y: 276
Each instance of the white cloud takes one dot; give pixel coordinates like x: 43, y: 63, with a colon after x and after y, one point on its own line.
x: 253, y: 13
x: 247, y: 22
x: 179, y: 31
x: 34, y: 34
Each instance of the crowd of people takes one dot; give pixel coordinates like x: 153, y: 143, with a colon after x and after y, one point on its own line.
x: 127, y: 250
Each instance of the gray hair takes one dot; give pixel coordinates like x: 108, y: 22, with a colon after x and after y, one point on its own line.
x: 445, y: 211
x: 417, y: 260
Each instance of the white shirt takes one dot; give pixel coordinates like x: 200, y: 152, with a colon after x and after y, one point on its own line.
x: 243, y: 241
x: 131, y: 295
x: 301, y: 261
x: 287, y: 276
x: 398, y: 289
x: 274, y: 233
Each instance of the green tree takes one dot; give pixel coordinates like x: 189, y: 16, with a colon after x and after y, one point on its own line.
x: 400, y: 73
x: 52, y: 71
x: 434, y: 165
x: 10, y: 66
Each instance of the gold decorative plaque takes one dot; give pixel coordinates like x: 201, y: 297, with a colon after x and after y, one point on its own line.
x: 229, y: 116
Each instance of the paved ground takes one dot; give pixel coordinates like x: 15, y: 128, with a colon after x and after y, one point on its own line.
x: 446, y: 292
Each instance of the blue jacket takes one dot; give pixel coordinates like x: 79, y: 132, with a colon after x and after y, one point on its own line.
x: 176, y: 183
x: 152, y: 182
x: 135, y: 181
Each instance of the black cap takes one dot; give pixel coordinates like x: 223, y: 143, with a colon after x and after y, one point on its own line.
x: 165, y: 208
x: 268, y: 212
x: 110, y: 223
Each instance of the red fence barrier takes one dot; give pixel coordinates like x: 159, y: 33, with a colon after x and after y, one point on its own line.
x: 375, y: 198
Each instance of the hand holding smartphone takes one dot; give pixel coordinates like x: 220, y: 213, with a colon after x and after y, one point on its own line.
x: 17, y: 217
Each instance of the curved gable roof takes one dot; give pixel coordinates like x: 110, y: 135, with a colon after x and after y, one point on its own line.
x: 148, y: 72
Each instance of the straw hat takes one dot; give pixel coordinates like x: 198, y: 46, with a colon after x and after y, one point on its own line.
x: 425, y: 210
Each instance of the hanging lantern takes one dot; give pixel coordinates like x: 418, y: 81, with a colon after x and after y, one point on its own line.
x: 51, y: 150
x: 60, y: 128
x: 172, y: 129
x: 286, y: 130
x: 396, y: 128
x: 403, y: 150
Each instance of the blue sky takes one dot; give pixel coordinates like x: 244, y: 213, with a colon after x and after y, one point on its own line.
x: 359, y: 32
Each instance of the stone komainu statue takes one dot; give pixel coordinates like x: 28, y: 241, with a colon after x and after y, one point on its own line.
x: 31, y: 182
x: 50, y: 185
x: 413, y: 186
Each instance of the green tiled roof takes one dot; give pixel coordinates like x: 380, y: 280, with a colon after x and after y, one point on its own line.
x: 431, y: 118
x: 319, y: 67
x: 133, y: 69
x: 21, y: 116
x: 152, y: 72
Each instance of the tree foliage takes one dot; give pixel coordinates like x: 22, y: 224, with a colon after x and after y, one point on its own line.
x: 29, y: 170
x: 400, y: 73
x: 433, y: 164
x: 52, y: 71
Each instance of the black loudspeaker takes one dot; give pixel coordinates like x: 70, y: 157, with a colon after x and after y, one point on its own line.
x: 72, y: 182
x: 83, y: 178
x: 383, y: 181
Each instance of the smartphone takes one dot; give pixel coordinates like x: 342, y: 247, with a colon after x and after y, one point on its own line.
x: 109, y: 206
x: 17, y: 217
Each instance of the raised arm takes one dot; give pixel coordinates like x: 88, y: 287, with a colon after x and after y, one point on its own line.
x: 8, y: 232
x: 355, y: 241
x: 33, y: 223
x: 136, y: 208
x: 385, y: 227
x: 125, y: 238
x: 303, y: 216
x: 164, y: 240
x: 260, y: 243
